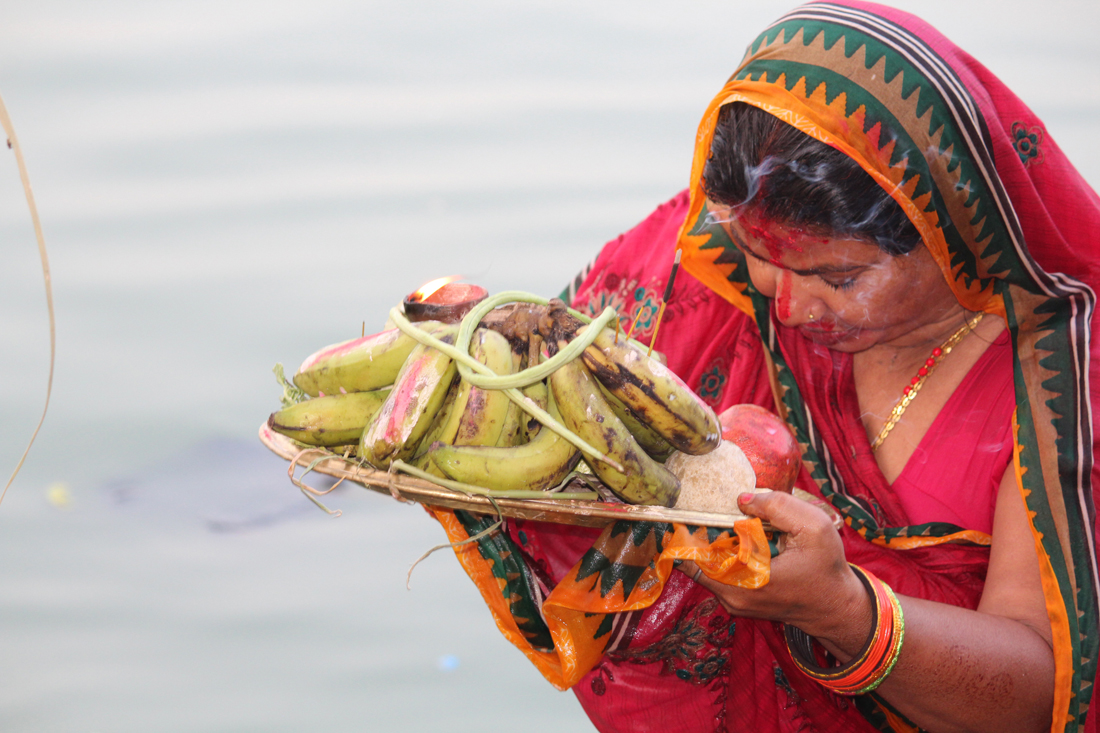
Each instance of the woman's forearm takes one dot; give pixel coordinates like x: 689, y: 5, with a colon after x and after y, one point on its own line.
x: 958, y: 670
x: 962, y: 670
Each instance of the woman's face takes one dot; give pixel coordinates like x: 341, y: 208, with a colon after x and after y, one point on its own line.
x: 846, y: 294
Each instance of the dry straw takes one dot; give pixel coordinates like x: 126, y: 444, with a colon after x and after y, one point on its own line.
x: 13, y: 145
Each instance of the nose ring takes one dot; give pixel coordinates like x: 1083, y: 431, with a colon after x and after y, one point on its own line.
x: 811, y: 316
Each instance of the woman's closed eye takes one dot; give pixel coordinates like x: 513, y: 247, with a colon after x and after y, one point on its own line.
x: 839, y: 283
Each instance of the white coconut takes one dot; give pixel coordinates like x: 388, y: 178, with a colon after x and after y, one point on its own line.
x: 713, y: 481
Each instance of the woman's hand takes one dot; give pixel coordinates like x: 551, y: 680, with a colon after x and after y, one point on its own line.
x: 811, y: 586
x: 959, y: 670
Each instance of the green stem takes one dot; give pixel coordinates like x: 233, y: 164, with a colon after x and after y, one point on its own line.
x: 533, y: 374
x: 292, y: 395
x: 460, y: 487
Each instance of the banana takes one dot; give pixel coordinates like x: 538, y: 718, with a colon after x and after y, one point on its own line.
x: 584, y: 411
x: 486, y: 409
x: 657, y: 447
x: 358, y: 365
x: 338, y: 419
x: 418, y: 393
x: 478, y: 415
x: 439, y: 423
x: 512, y: 433
x: 540, y: 464
x: 420, y: 458
x: 656, y: 396
x: 538, y: 392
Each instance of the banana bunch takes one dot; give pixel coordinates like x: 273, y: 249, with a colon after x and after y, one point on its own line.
x: 539, y: 391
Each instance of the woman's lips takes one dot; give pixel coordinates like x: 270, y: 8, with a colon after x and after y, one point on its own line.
x: 825, y: 333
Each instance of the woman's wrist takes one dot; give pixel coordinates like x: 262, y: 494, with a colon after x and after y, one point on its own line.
x: 866, y: 669
x: 844, y: 628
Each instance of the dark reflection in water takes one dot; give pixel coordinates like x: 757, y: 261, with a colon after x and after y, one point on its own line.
x: 227, y: 485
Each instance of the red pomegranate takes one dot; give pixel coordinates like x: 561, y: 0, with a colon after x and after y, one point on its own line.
x: 767, y: 442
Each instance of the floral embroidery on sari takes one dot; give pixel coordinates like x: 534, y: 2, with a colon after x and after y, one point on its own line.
x: 1026, y: 140
x: 637, y: 305
x: 712, y: 382
x: 696, y: 650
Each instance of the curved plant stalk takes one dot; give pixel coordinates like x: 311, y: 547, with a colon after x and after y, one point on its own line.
x: 484, y: 378
x: 544, y: 369
x: 308, y: 491
x: 455, y: 545
x: 13, y: 144
x: 400, y: 465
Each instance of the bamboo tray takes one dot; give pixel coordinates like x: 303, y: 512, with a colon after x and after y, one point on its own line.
x: 560, y: 511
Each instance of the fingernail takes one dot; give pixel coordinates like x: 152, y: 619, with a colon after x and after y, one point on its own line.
x: 744, y: 498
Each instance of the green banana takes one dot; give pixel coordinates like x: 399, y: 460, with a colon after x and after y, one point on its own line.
x: 657, y: 447
x: 584, y: 411
x: 477, y: 416
x: 540, y: 464
x: 486, y: 411
x: 435, y: 431
x: 538, y: 392
x: 418, y: 393
x: 358, y: 365
x: 512, y: 432
x: 656, y: 396
x: 337, y: 419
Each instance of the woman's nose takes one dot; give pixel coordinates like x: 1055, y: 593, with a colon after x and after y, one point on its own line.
x: 793, y: 304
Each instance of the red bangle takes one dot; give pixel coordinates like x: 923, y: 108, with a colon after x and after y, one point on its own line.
x: 875, y: 660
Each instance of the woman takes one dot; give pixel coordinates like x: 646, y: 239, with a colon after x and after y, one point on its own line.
x: 889, y: 252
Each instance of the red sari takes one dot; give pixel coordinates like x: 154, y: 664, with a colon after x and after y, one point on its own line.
x: 1014, y: 230
x: 684, y: 664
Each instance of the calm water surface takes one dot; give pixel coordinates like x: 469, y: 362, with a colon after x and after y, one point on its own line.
x: 229, y: 184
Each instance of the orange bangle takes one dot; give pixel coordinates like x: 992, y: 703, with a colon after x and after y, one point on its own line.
x: 875, y: 660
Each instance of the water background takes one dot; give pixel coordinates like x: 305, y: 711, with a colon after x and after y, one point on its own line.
x: 228, y: 184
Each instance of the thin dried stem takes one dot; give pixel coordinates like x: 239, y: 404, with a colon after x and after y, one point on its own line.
x: 483, y: 533
x: 13, y: 144
x: 308, y: 491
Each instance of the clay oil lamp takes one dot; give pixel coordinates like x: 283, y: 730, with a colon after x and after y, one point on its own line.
x: 443, y: 300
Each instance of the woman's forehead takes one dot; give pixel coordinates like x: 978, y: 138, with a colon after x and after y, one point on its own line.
x: 794, y: 246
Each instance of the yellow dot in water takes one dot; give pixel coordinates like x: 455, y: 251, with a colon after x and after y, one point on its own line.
x: 58, y: 495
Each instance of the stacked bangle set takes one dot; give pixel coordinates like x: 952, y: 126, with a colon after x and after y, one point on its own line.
x: 873, y: 663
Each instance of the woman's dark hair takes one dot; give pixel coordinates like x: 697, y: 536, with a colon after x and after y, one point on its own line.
x: 784, y: 175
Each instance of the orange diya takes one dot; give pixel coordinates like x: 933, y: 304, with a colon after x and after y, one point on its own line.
x: 443, y: 300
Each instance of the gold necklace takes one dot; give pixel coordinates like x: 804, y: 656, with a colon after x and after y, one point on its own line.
x: 910, y: 391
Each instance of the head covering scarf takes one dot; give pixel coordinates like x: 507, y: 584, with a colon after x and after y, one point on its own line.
x: 1012, y: 226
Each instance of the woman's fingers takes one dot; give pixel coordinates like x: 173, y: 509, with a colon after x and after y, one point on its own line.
x: 806, y: 578
x: 690, y: 569
x: 693, y: 571
x: 733, y: 599
x: 783, y: 511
